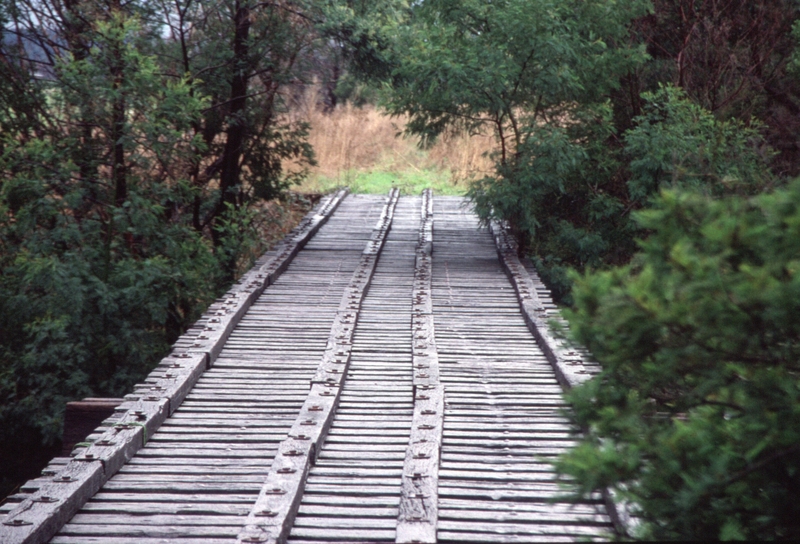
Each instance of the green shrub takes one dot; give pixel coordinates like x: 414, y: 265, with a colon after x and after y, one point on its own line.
x: 696, y: 415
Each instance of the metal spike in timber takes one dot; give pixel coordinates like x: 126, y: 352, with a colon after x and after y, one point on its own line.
x: 384, y: 374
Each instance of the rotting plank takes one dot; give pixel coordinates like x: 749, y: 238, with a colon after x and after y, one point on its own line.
x: 274, y: 511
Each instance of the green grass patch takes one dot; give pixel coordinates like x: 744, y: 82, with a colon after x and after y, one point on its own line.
x: 410, y: 182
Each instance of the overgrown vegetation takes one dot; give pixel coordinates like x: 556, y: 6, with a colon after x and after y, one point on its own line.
x: 645, y: 149
x: 696, y: 417
x: 644, y: 152
x: 139, y: 141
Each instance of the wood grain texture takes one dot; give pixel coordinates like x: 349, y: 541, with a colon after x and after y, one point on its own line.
x: 572, y: 364
x: 418, y: 512
x: 503, y: 407
x: 372, y: 451
x: 567, y: 361
x: 273, y: 514
x: 164, y: 390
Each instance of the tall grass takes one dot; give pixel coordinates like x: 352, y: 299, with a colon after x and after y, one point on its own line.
x: 366, y: 150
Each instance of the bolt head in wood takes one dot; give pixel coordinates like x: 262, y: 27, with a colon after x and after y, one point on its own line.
x: 17, y: 522
x: 275, y: 491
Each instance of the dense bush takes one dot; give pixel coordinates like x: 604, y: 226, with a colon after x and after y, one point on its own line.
x: 135, y: 142
x: 570, y: 195
x: 696, y: 415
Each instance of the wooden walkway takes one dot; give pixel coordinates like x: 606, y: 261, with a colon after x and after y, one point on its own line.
x: 384, y: 375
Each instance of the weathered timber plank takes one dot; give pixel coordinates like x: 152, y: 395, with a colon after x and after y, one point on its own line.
x: 418, y: 511
x: 164, y: 390
x: 570, y: 363
x: 566, y: 361
x: 273, y: 513
x: 500, y: 386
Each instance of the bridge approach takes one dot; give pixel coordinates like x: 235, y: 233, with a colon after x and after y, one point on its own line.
x: 385, y: 374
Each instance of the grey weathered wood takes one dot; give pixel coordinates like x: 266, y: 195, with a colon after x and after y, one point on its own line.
x: 166, y: 388
x: 37, y: 518
x: 565, y: 359
x: 570, y: 362
x: 198, y: 476
x: 418, y: 512
x: 238, y: 300
x: 274, y: 511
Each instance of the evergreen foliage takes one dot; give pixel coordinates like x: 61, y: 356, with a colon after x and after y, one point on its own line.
x: 696, y: 415
x: 652, y: 121
x: 589, y: 122
x: 136, y: 138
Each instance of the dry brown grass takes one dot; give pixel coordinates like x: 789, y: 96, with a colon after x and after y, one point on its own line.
x: 351, y: 140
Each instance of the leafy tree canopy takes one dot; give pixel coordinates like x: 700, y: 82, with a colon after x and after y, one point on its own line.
x: 695, y: 415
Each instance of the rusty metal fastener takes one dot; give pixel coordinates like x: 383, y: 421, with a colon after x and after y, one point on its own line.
x: 308, y: 422
x: 315, y: 408
x: 428, y: 412
x: 293, y: 453
x: 64, y: 479
x: 267, y: 513
x: 287, y: 470
x: 45, y: 499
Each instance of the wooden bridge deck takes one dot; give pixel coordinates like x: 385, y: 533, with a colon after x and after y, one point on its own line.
x: 431, y: 414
